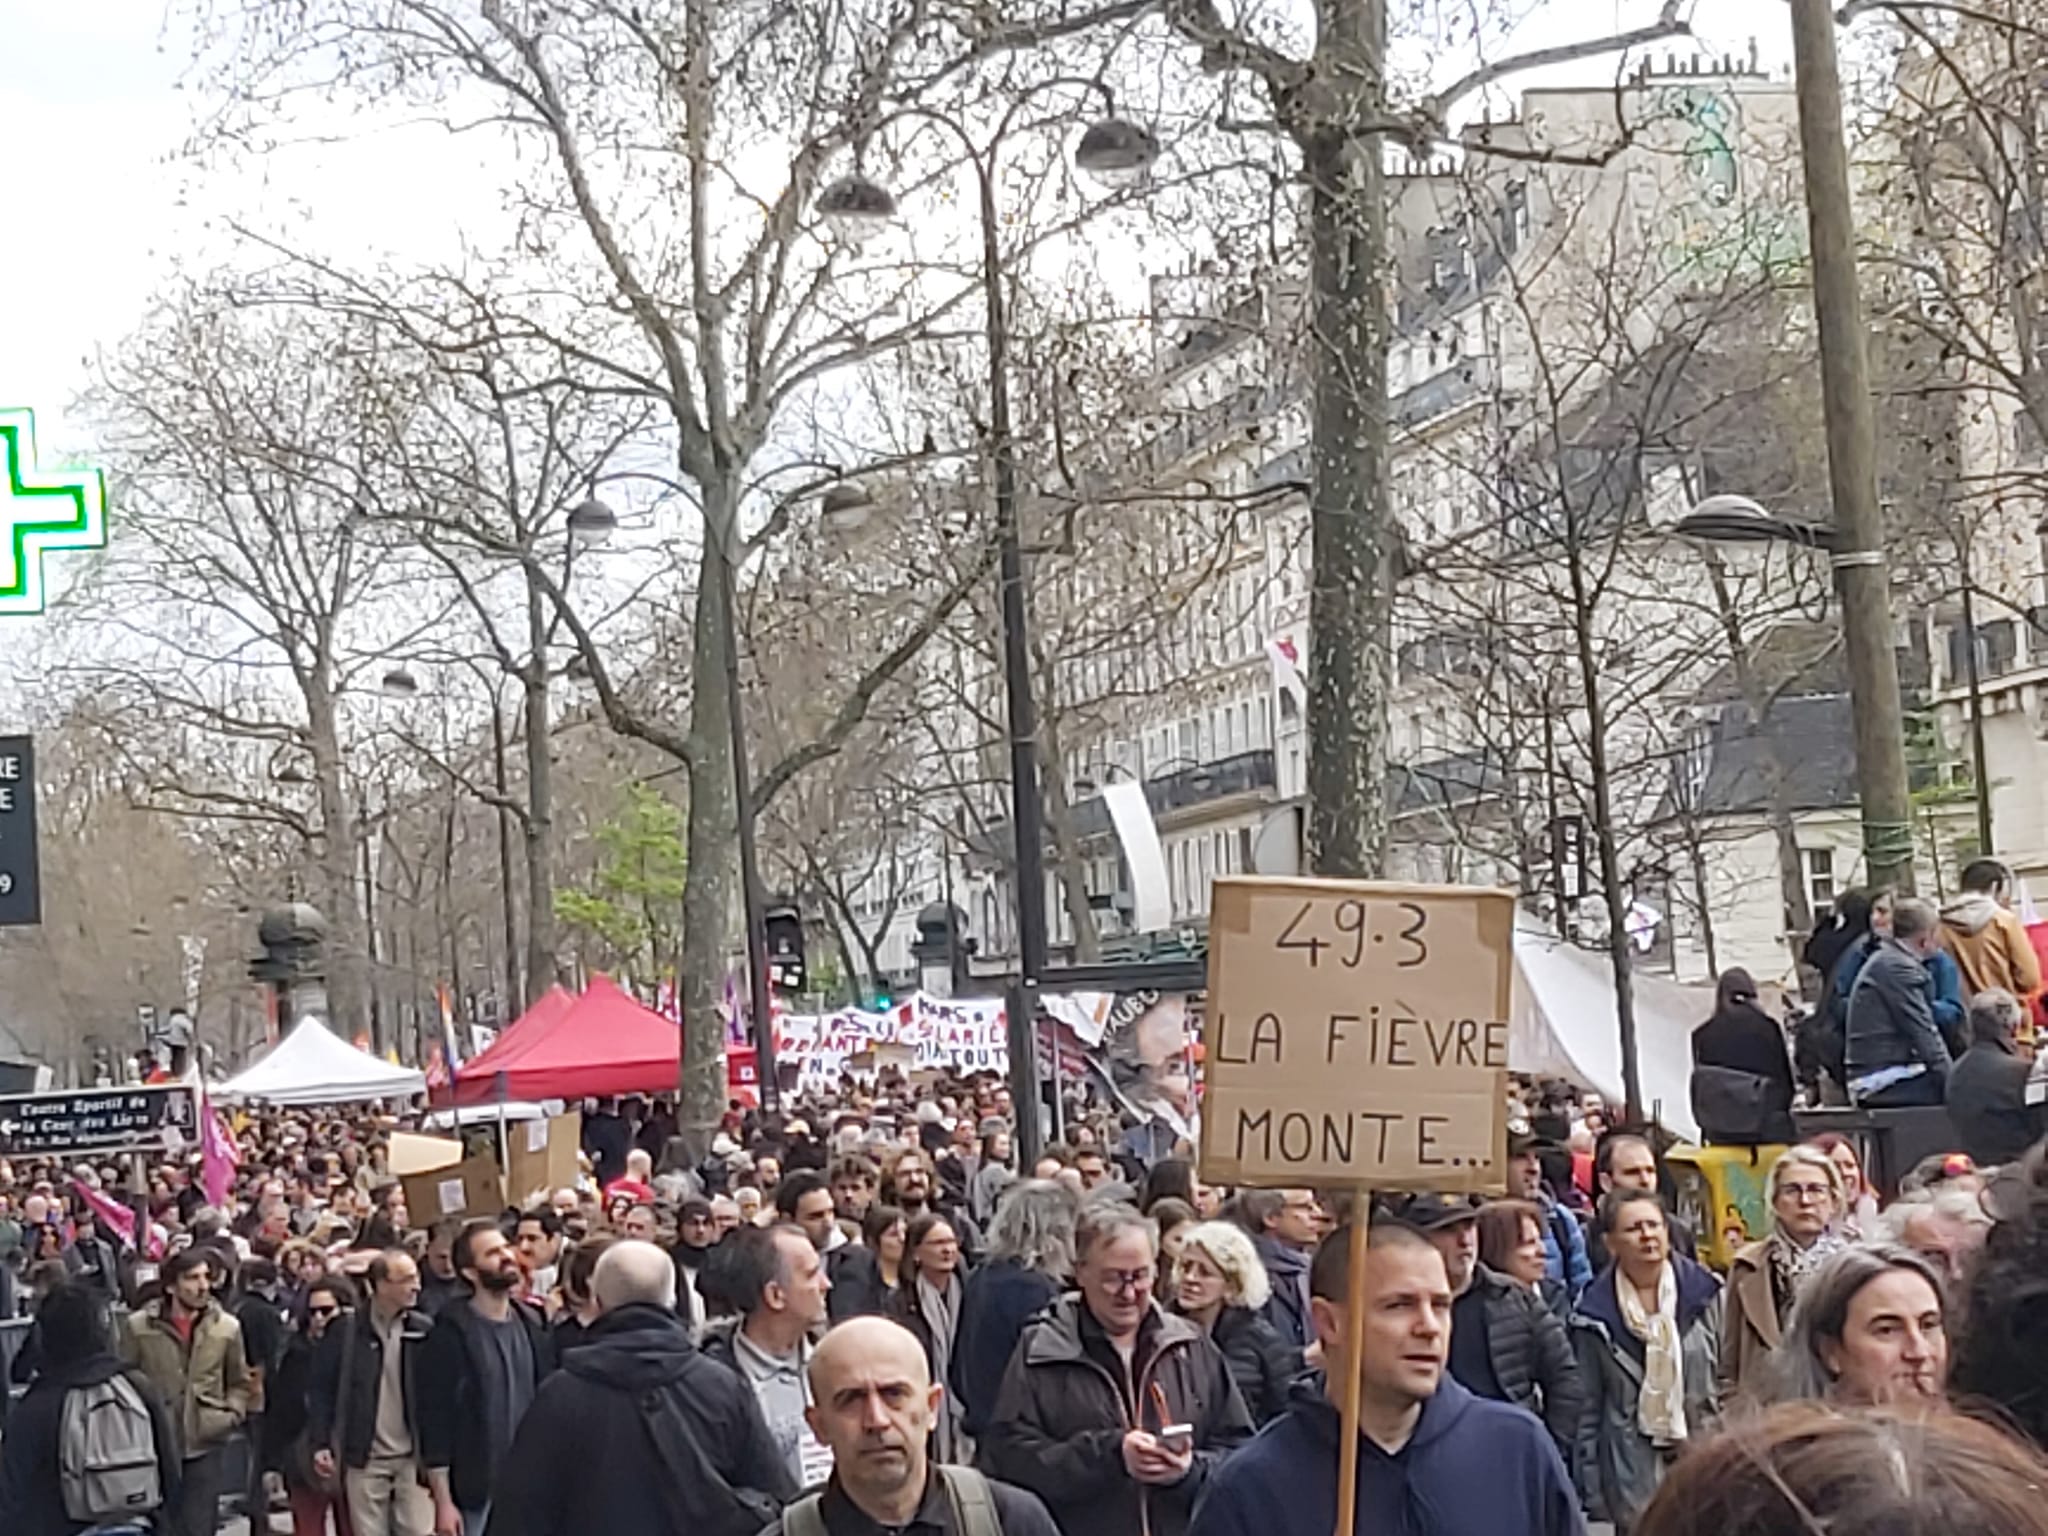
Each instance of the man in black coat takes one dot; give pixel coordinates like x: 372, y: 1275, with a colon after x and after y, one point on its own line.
x: 479, y: 1372
x: 78, y: 1351
x: 1505, y: 1343
x: 1987, y: 1091
x: 364, y: 1402
x: 639, y: 1432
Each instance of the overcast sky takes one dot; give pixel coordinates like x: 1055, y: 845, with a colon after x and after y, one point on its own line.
x: 91, y: 110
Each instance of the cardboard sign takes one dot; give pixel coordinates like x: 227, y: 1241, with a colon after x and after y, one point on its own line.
x: 548, y: 1165
x: 414, y: 1153
x: 471, y: 1187
x: 1357, y: 1034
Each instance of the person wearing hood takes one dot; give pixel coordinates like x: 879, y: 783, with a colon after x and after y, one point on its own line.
x: 1647, y: 1333
x: 78, y: 1352
x: 1741, y: 1050
x: 1432, y: 1456
x: 639, y: 1432
x: 1989, y: 945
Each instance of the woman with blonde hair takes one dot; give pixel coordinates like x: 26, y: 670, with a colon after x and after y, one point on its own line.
x: 1221, y: 1284
x: 1807, y: 1200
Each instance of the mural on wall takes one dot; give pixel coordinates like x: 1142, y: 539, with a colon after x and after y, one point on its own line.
x: 1719, y: 228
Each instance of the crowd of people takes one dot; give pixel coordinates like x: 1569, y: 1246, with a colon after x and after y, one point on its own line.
x: 861, y: 1315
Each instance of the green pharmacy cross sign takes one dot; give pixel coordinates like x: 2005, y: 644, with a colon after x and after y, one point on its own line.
x: 41, y: 511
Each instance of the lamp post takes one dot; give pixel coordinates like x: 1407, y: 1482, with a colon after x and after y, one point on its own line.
x: 1881, y: 786
x: 1116, y: 152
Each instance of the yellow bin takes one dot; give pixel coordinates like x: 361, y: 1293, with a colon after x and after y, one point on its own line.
x: 1721, y: 1194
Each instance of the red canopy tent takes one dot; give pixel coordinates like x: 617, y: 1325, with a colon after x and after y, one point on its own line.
x: 595, y: 1045
x: 546, y: 1010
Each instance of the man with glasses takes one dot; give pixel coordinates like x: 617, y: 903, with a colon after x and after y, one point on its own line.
x: 1112, y: 1411
x: 1285, y: 1225
x: 362, y: 1409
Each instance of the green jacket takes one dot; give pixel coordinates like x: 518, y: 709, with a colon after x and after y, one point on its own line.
x: 206, y: 1383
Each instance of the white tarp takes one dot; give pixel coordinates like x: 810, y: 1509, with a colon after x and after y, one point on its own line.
x: 1561, y: 1023
x: 313, y: 1065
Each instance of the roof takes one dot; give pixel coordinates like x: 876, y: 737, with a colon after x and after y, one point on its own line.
x: 313, y: 1065
x: 1810, y: 740
x: 600, y: 1044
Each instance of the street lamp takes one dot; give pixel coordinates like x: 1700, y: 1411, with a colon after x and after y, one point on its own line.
x: 1117, y: 153
x: 592, y: 523
x: 399, y: 683
x: 1881, y: 784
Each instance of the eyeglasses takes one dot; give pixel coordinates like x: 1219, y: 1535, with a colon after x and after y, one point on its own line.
x: 322, y: 1311
x: 1124, y: 1281
x: 1806, y: 1191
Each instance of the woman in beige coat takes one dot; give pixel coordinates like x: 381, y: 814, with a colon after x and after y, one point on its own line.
x: 1807, y: 1202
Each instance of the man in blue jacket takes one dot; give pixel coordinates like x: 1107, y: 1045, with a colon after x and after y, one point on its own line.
x: 1432, y: 1457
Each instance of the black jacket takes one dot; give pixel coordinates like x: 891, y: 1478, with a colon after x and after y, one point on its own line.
x: 1261, y: 1362
x: 1000, y: 1297
x: 1531, y: 1354
x: 355, y: 1333
x: 454, y: 1426
x: 284, y: 1404
x: 1987, y: 1105
x: 1287, y: 1308
x: 857, y: 1288
x: 635, y: 1432
x: 31, y: 1493
x: 1746, y: 1039
x: 1061, y: 1417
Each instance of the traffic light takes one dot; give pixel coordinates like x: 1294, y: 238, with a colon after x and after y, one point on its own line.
x: 782, y: 930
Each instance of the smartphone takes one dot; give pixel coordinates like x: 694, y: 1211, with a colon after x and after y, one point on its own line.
x: 1177, y: 1438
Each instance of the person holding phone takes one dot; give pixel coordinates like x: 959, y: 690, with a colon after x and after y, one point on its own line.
x: 1114, y: 1412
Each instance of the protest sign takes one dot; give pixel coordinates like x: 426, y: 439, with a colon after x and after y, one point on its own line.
x: 1356, y: 1035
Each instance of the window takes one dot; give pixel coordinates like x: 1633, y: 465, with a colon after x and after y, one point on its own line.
x: 1820, y: 882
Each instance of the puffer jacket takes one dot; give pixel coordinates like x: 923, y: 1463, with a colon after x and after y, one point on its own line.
x: 205, y: 1382
x: 1262, y: 1363
x: 1616, y: 1466
x: 1531, y: 1354
x: 1066, y: 1405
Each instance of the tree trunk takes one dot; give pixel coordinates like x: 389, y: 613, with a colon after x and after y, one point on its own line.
x: 515, y: 994
x: 710, y: 875
x: 540, y: 805
x: 1352, y: 533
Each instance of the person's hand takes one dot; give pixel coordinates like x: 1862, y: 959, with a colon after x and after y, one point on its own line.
x: 1148, y: 1461
x: 447, y: 1518
x: 323, y: 1464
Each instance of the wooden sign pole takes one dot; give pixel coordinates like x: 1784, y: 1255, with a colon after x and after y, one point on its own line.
x: 1350, y: 1365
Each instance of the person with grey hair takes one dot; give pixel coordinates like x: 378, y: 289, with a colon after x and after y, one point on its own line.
x: 1807, y: 1199
x: 1987, y: 1091
x: 1895, y: 1054
x: 1869, y: 1329
x: 639, y: 1431
x: 1101, y: 1455
x: 1946, y: 1227
x: 1030, y: 1258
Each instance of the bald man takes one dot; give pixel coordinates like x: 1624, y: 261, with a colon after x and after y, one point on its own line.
x: 873, y: 1404
x: 638, y: 1432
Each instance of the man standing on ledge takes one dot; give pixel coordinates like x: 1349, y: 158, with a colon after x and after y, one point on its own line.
x: 1431, y: 1455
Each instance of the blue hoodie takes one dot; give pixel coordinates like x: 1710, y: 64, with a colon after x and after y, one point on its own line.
x: 1472, y: 1466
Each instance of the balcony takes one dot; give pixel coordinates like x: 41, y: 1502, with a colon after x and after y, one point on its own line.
x: 1242, y: 773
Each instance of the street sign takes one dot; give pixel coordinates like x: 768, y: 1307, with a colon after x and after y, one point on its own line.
x: 1356, y: 1034
x: 21, y: 903
x: 139, y: 1119
x: 1568, y: 857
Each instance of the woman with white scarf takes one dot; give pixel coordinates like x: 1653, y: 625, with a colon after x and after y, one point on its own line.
x: 1764, y: 1280
x: 1647, y: 1333
x: 930, y: 1301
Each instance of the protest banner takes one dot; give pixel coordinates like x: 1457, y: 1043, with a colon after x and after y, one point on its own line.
x: 1356, y: 1035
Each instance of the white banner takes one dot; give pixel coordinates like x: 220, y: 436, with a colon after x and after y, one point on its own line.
x: 958, y: 1036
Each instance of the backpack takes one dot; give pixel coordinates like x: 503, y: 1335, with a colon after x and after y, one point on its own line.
x: 106, y: 1453
x: 974, y: 1507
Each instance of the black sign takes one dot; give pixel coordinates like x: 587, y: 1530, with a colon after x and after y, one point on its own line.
x: 154, y: 1119
x: 1568, y: 856
x: 21, y: 902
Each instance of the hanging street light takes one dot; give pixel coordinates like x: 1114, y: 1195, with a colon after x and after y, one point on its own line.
x: 857, y: 207
x: 592, y: 523
x: 1117, y: 153
x: 398, y: 683
x: 845, y: 508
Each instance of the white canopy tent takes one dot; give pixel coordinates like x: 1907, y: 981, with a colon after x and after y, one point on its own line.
x: 313, y: 1065
x: 1561, y: 1023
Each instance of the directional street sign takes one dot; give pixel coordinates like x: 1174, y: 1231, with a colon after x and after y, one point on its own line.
x: 42, y: 511
x: 136, y: 1119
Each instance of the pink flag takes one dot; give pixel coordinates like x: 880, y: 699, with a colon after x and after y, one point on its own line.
x: 111, y: 1213
x: 219, y: 1157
